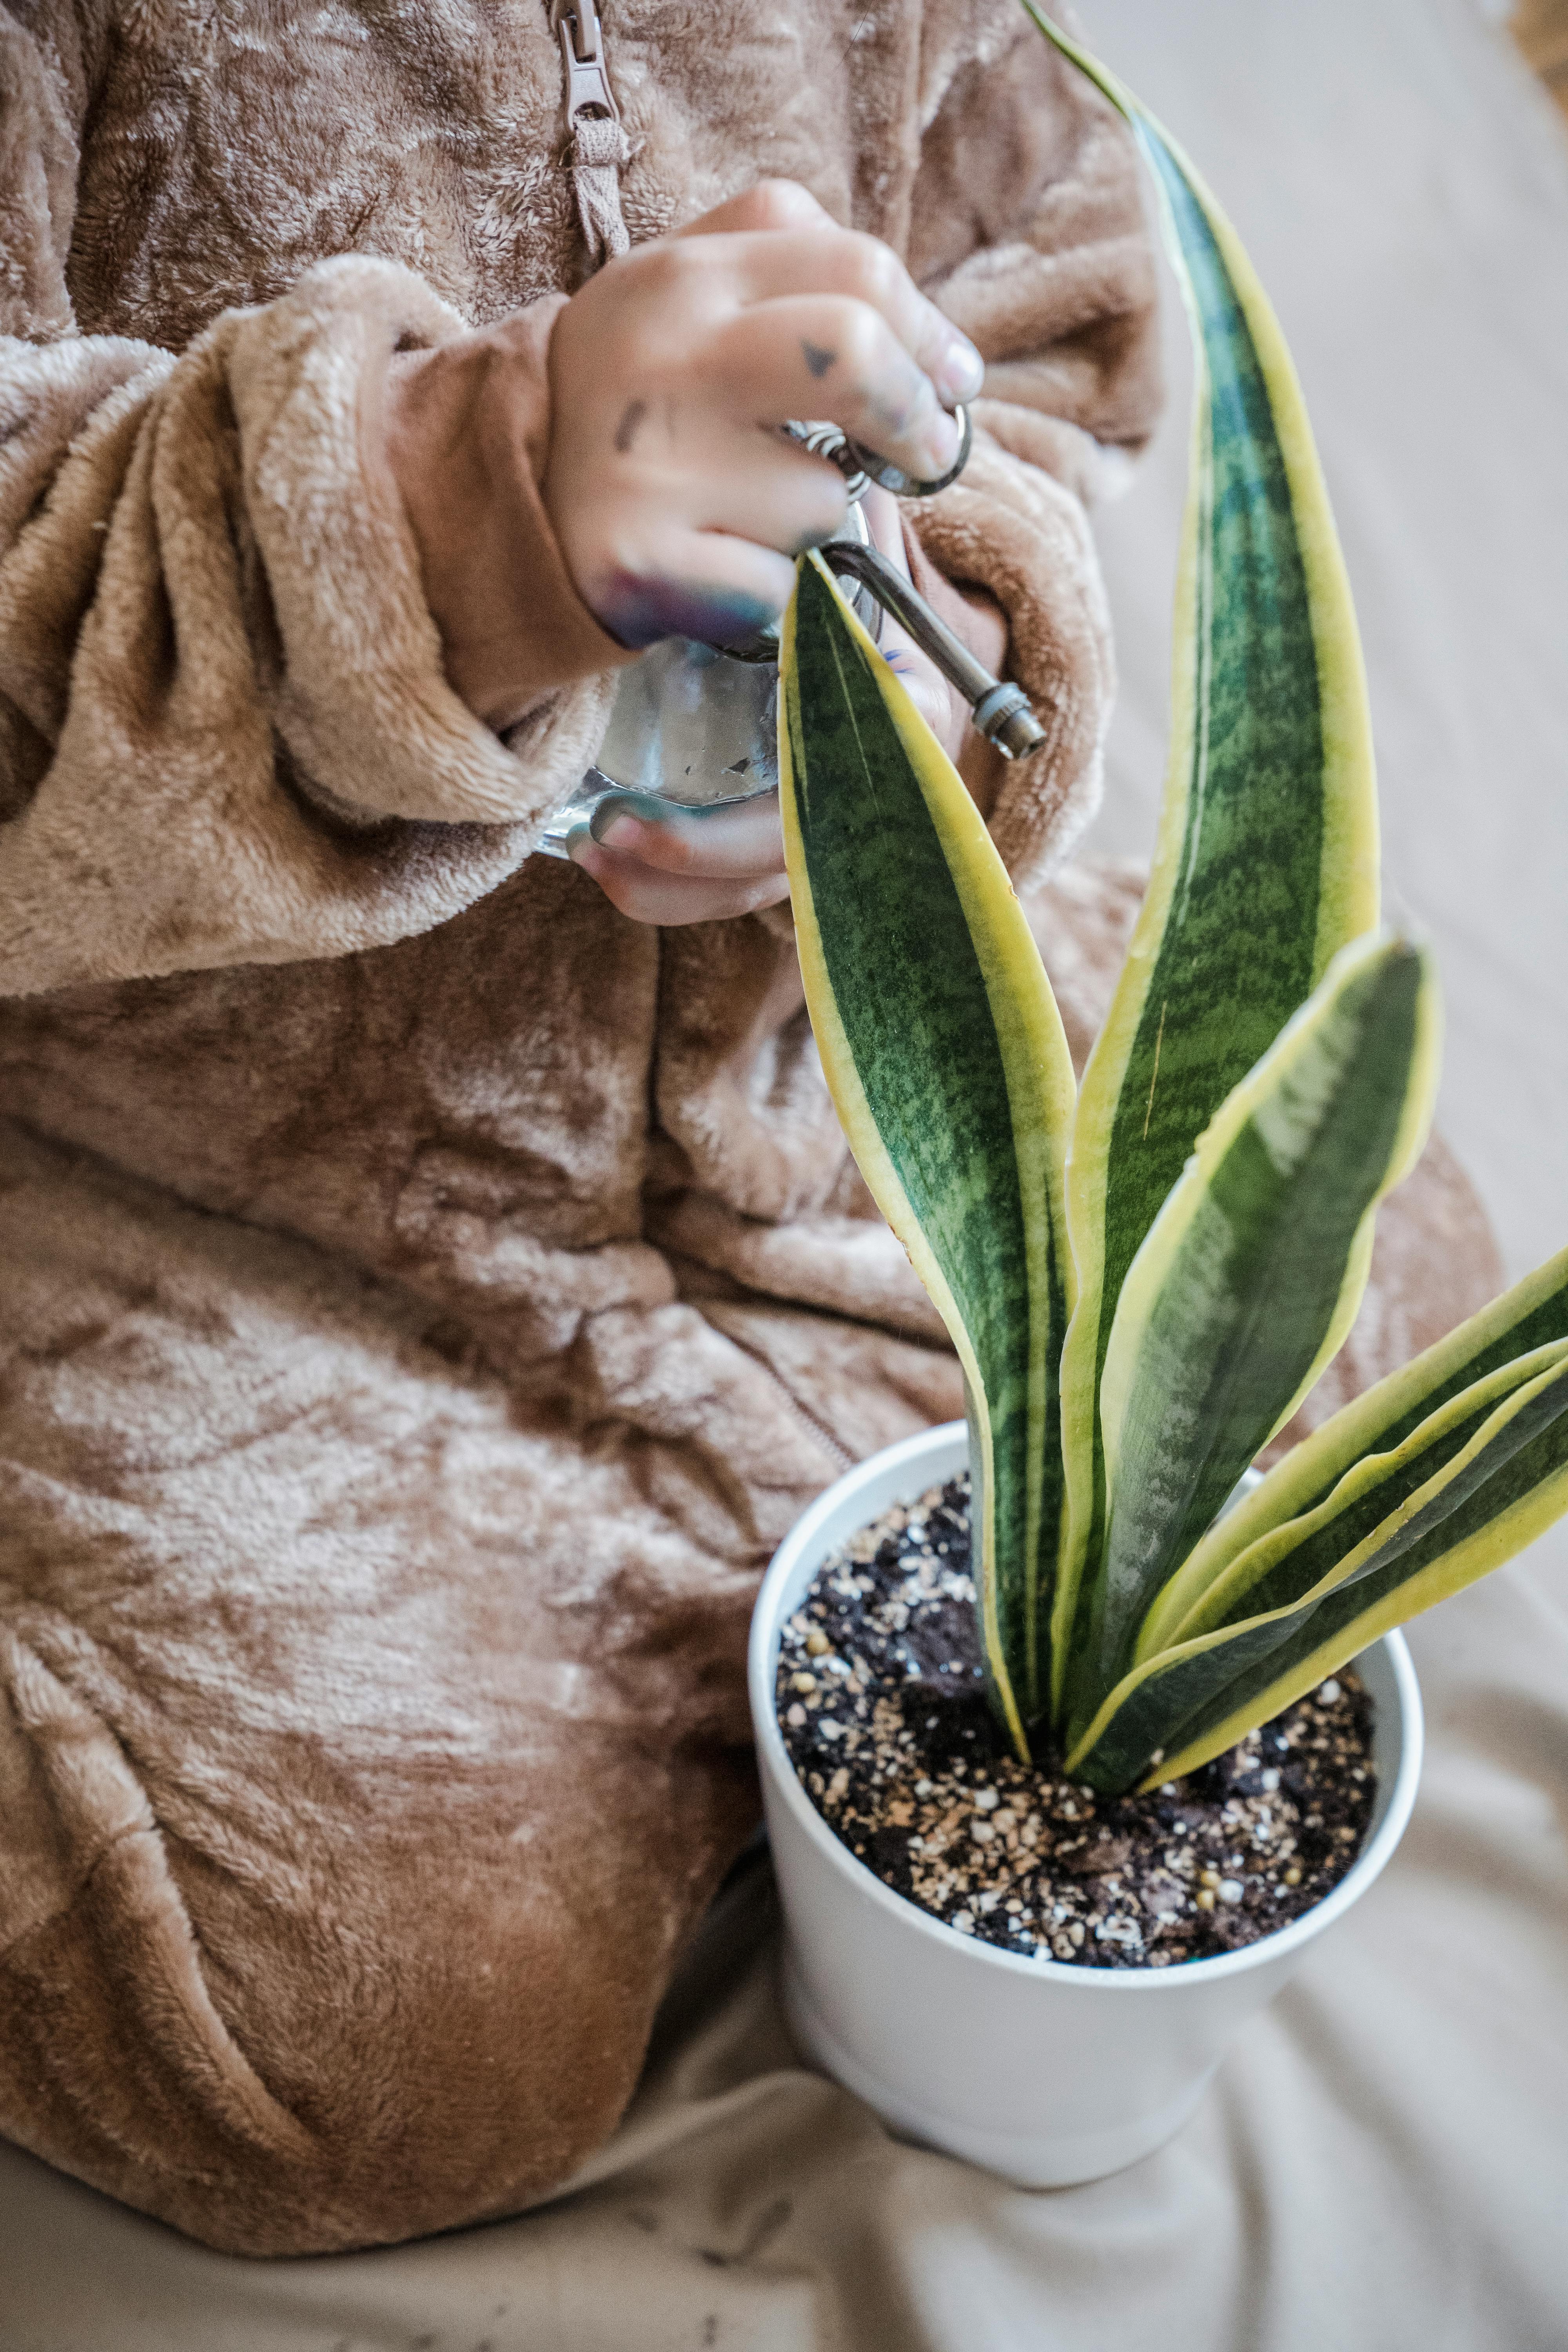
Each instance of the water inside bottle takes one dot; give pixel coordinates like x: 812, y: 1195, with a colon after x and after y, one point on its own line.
x: 693, y: 725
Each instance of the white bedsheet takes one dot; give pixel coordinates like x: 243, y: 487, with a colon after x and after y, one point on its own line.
x: 1383, y: 2165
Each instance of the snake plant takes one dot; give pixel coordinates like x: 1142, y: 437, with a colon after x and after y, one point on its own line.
x: 1143, y: 1279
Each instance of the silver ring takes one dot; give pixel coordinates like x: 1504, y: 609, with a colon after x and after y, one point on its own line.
x: 906, y: 486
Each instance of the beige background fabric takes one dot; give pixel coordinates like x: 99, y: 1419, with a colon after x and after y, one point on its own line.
x: 1384, y: 2163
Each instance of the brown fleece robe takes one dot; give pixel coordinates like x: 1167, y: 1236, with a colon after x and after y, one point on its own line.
x: 425, y: 1295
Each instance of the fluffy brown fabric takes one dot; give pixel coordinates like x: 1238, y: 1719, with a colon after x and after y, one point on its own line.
x: 425, y: 1296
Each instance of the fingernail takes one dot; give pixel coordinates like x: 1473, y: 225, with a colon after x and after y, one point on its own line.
x: 621, y: 833
x: 940, y: 442
x: 618, y: 820
x: 962, y: 372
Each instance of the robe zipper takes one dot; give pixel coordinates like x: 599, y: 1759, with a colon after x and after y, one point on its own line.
x: 599, y: 146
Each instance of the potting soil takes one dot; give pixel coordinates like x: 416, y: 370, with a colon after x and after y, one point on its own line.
x: 883, y: 1711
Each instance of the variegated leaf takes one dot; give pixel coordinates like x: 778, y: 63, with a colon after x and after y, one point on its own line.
x: 1266, y: 864
x: 944, y: 1051
x: 1484, y: 1503
x: 1251, y: 1275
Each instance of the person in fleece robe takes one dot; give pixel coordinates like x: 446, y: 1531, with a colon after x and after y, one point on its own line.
x: 431, y: 1275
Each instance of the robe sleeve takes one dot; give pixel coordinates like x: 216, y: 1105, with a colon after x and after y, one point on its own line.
x: 226, y: 732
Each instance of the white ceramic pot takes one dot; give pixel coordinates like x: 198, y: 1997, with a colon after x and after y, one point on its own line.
x: 1044, y: 2073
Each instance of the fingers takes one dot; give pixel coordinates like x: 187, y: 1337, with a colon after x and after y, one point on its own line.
x: 683, y: 582
x: 833, y: 357
x: 672, y: 904
x: 743, y: 843
x: 772, y: 206
x: 776, y: 243
x: 831, y: 260
x: 880, y: 509
x: 648, y: 895
x: 769, y: 489
x: 800, y: 249
x: 725, y: 569
x: 686, y: 866
x: 926, y: 687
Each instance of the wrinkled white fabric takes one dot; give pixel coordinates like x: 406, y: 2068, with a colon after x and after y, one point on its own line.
x: 1381, y: 2168
x: 1384, y: 2163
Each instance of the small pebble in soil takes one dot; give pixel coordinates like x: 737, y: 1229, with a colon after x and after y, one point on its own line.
x: 895, y: 1743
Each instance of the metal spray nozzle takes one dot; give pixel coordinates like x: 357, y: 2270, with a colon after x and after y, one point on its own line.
x: 1002, y: 712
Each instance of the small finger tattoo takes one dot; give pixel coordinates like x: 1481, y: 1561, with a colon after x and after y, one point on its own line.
x: 817, y: 359
x: 626, y: 430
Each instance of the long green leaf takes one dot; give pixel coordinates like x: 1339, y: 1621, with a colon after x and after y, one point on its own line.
x: 1281, y: 1568
x: 944, y: 1051
x: 1250, y: 1277
x: 1531, y: 1316
x: 1266, y: 864
x: 1483, y: 1505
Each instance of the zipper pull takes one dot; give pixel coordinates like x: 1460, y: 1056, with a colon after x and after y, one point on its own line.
x: 589, y: 97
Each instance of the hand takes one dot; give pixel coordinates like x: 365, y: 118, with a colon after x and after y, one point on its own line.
x: 692, y: 866
x: 678, y: 505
